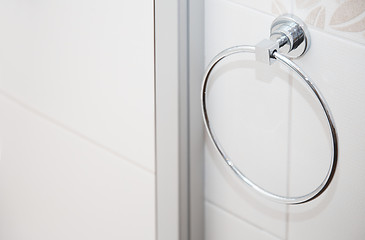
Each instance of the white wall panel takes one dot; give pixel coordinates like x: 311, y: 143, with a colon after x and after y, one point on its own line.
x: 87, y: 64
x: 273, y: 7
x: 77, y: 120
x: 223, y: 225
x: 55, y: 185
x: 336, y: 65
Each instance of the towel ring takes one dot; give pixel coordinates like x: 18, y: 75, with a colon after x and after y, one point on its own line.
x: 289, y: 39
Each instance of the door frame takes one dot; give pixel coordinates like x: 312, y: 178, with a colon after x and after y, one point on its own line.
x: 179, y: 67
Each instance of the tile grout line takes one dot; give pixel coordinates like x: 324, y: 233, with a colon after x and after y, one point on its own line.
x: 242, y: 219
x: 156, y: 197
x: 290, y: 120
x: 74, y: 132
x: 290, y: 109
x: 288, y: 166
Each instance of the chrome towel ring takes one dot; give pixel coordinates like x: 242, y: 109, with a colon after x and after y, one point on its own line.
x: 289, y: 34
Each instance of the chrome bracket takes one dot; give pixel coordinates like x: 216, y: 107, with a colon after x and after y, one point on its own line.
x: 265, y: 50
x: 292, y: 35
x: 288, y: 35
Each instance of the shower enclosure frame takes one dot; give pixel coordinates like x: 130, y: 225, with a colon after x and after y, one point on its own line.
x: 179, y: 68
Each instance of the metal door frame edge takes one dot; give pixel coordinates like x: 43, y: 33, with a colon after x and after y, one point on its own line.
x: 179, y: 51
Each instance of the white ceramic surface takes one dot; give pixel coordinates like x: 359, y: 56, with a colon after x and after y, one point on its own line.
x: 274, y: 7
x: 87, y: 64
x: 337, y: 66
x: 56, y: 185
x: 221, y: 225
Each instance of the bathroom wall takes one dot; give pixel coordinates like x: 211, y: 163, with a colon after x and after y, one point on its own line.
x: 274, y: 130
x: 77, y: 120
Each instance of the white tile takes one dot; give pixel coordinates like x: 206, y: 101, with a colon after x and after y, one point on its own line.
x: 275, y: 7
x: 228, y: 24
x: 248, y: 106
x: 310, y: 141
x: 225, y: 190
x: 55, y: 185
x: 337, y: 67
x: 221, y: 225
x: 87, y: 64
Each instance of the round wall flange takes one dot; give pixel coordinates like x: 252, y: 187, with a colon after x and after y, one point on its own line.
x: 292, y: 35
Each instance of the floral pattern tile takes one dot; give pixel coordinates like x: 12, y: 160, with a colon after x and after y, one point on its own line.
x: 345, y: 18
x: 278, y: 7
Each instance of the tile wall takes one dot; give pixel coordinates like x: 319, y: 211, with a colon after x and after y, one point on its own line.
x: 283, y: 144
x: 77, y: 120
